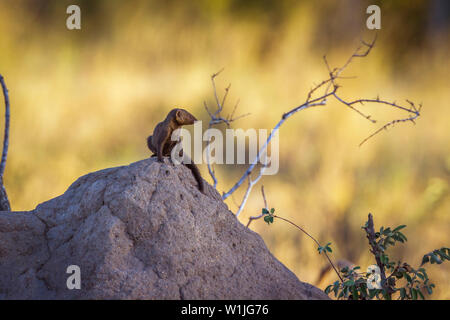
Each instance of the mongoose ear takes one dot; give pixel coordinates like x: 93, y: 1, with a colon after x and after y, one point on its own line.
x: 179, y: 116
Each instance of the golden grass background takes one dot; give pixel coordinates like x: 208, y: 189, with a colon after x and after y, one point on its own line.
x: 86, y: 100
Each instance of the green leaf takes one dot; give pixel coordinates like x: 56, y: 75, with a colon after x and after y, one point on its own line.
x: 424, y: 272
x: 443, y: 254
x: 404, y: 237
x: 345, y: 291
x: 425, y: 259
x: 344, y: 270
x: 429, y: 289
x: 402, y: 293
x: 272, y: 210
x: 421, y: 294
x: 407, y: 276
x: 349, y: 283
x: 398, y: 238
x: 363, y: 291
x: 355, y: 293
x: 336, y: 289
x: 399, y: 227
x: 414, y: 294
x: 435, y: 259
x: 264, y: 211
x: 268, y: 219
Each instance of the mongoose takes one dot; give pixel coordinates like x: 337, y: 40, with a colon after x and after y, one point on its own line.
x: 160, y: 142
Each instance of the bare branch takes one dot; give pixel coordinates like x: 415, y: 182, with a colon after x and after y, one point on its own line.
x: 234, y: 109
x: 317, y: 242
x: 350, y: 105
x: 300, y: 228
x: 391, y: 123
x: 216, y: 119
x: 251, y: 183
x: 312, y: 103
x: 367, y: 47
x: 6, y: 133
x: 262, y: 214
x: 227, y: 89
x: 314, y: 98
x: 211, y: 170
x: 219, y: 106
x: 336, y: 72
x: 4, y: 201
x: 264, y: 197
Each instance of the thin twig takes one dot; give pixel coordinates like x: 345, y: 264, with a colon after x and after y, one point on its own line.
x: 321, y: 100
x: 337, y: 71
x: 285, y: 116
x: 219, y: 109
x: 216, y: 119
x: 4, y: 201
x: 6, y: 132
x: 264, y: 197
x: 391, y: 123
x: 262, y: 214
x: 317, y: 242
x: 301, y: 229
x: 251, y: 183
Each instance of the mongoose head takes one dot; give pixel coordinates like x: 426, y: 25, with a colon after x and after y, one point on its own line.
x: 183, y: 117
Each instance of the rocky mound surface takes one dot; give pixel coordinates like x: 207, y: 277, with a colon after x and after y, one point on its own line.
x: 141, y: 231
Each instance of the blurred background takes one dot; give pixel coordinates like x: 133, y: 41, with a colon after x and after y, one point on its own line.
x: 84, y: 100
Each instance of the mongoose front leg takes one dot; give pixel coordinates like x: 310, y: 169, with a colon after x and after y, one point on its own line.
x: 159, y: 153
x: 160, y: 146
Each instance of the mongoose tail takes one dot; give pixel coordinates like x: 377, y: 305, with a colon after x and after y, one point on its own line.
x: 197, y: 176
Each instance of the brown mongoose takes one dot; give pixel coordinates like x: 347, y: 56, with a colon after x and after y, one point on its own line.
x: 160, y: 142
